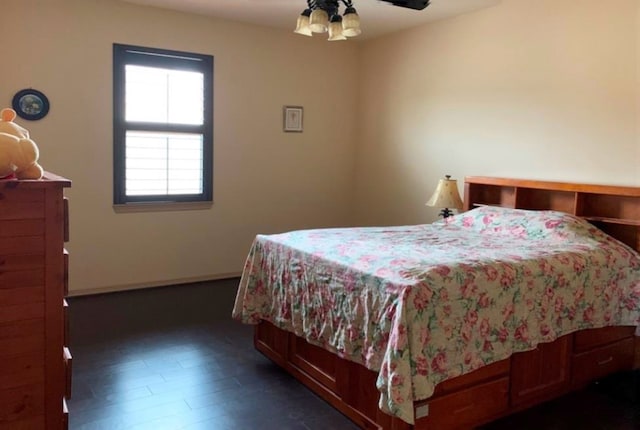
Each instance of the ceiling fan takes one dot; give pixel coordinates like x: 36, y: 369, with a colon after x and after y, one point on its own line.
x: 322, y: 16
x: 411, y: 4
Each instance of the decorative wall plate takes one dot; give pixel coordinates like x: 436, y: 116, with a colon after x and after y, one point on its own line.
x: 30, y: 104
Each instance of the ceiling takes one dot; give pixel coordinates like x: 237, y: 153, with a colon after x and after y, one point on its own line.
x: 377, y: 17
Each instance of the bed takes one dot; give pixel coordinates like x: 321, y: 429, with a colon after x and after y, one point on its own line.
x: 517, y: 300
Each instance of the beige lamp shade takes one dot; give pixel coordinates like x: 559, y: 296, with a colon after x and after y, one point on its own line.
x: 319, y: 21
x: 335, y: 30
x: 351, y: 23
x: 302, y: 26
x: 446, y: 195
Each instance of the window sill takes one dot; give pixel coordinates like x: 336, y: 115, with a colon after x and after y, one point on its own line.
x: 162, y: 207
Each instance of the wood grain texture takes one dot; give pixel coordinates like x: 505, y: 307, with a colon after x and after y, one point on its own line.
x: 602, y: 361
x: 22, y: 337
x: 21, y: 403
x: 21, y: 369
x: 593, y: 338
x: 22, y: 227
x: 554, y: 186
x: 55, y: 291
x: 542, y: 373
x: 22, y: 294
x: 10, y: 263
x: 491, y: 371
x: 27, y: 245
x: 21, y: 279
x: 315, y: 361
x: 32, y: 281
x: 467, y: 408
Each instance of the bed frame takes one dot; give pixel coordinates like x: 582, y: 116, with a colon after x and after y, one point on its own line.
x: 499, y: 389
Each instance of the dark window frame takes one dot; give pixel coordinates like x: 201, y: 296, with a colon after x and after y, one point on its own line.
x: 161, y: 58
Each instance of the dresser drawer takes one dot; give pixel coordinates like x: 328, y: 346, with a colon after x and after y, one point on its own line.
x: 66, y: 272
x: 491, y: 371
x: 68, y: 367
x: 313, y: 360
x: 65, y: 415
x: 33, y: 377
x: 599, y: 362
x: 462, y: 409
x: 65, y: 315
x: 589, y: 339
x: 66, y: 219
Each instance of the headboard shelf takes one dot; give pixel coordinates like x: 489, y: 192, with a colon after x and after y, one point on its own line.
x: 557, y: 186
x: 623, y: 221
x: 538, y: 199
x: 493, y: 195
x: 613, y: 209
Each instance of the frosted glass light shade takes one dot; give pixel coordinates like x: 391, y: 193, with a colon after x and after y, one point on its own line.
x: 302, y: 26
x: 351, y: 23
x: 446, y: 195
x: 335, y: 30
x: 319, y: 21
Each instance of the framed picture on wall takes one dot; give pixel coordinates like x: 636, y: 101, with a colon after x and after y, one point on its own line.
x: 30, y: 104
x: 292, y: 118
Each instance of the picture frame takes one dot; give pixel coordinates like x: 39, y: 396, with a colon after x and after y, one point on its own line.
x: 30, y: 104
x: 292, y: 117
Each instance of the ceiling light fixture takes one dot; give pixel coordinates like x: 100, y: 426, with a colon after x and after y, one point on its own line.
x: 323, y: 16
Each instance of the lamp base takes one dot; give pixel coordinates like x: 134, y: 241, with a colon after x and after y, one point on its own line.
x: 446, y: 213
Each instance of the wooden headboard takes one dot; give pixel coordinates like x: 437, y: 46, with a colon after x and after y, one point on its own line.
x: 613, y: 209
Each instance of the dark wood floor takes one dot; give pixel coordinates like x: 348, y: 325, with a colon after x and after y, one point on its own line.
x: 171, y: 358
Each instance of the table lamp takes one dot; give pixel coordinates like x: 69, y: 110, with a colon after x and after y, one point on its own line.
x: 446, y: 196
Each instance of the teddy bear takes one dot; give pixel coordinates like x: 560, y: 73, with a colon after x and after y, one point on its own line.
x: 18, y: 153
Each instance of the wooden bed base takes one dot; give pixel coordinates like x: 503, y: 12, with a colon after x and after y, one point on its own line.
x: 499, y: 389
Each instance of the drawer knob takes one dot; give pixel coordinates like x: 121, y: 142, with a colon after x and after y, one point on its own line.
x: 463, y: 409
x: 603, y: 362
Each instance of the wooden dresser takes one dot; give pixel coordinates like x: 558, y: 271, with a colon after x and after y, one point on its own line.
x: 35, y: 364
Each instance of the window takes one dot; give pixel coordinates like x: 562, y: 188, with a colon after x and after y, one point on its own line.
x: 162, y: 125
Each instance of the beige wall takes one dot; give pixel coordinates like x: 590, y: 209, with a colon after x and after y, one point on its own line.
x: 264, y: 180
x: 546, y: 89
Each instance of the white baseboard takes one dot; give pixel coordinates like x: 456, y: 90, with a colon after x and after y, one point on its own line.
x: 153, y: 284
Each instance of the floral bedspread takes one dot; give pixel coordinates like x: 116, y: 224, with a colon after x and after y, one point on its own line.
x: 425, y: 303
